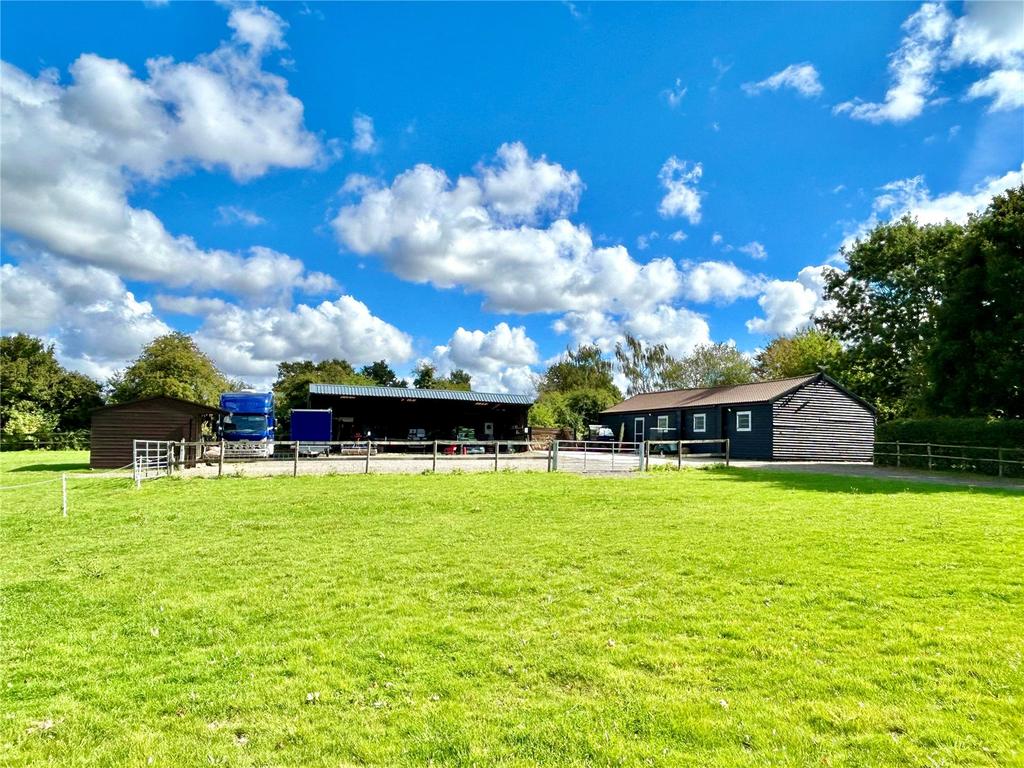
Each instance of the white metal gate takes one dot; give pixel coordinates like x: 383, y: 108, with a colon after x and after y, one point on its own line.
x: 597, y: 456
x: 151, y: 458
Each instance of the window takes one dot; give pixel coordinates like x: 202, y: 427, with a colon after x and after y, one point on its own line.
x: 743, y: 421
x: 700, y: 422
x: 663, y: 423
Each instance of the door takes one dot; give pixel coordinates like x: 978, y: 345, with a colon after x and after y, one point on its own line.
x: 638, y: 429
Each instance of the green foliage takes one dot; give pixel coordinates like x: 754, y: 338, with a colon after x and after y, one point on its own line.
x: 291, y: 389
x: 714, y: 618
x: 37, y: 395
x: 709, y: 365
x: 382, y: 374
x: 804, y: 352
x: 943, y: 431
x: 173, y: 366
x: 646, y: 368
x: 579, y: 369
x: 573, y: 411
x: 427, y: 378
x: 931, y: 317
x: 976, y: 359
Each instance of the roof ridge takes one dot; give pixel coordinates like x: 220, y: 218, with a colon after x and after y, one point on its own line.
x: 723, y: 386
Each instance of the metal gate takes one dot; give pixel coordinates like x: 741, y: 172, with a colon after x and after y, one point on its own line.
x: 596, y: 456
x: 151, y: 458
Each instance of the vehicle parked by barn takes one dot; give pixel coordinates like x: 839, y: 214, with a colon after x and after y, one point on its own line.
x: 805, y: 418
x: 311, y: 429
x: 247, y: 426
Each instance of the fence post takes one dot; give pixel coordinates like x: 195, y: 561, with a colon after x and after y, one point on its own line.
x: 1000, y: 460
x: 928, y: 447
x: 367, y: 456
x: 679, y: 455
x: 295, y: 460
x: 584, y: 455
x: 727, y: 451
x: 181, y: 455
x: 433, y: 464
x: 549, y: 454
x: 645, y: 456
x: 554, y: 456
x: 220, y: 459
x: 897, y: 453
x: 496, y: 455
x: 64, y: 493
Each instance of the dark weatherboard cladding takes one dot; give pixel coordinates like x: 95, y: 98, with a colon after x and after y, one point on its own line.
x: 806, y: 418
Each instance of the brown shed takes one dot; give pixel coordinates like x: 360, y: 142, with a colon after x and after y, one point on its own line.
x: 114, y: 427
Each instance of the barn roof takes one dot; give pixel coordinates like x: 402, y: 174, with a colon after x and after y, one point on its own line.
x: 730, y: 394
x: 407, y: 393
x: 175, y: 403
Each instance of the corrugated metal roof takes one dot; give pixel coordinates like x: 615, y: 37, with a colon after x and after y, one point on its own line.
x: 733, y: 394
x: 357, y: 390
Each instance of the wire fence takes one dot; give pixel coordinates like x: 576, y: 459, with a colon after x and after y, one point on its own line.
x: 607, y: 456
x: 77, y: 440
x: 985, y: 460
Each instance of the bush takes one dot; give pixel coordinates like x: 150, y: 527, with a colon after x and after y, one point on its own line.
x: 941, y: 432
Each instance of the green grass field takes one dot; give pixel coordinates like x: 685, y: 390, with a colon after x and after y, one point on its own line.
x: 719, y: 617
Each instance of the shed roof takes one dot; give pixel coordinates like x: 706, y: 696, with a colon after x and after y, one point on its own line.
x: 407, y: 393
x: 176, y: 403
x: 730, y: 394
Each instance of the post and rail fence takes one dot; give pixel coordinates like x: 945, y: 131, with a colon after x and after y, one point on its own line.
x: 987, y: 460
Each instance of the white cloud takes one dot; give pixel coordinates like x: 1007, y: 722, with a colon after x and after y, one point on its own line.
x: 364, y: 140
x: 643, y: 242
x: 1004, y: 86
x: 791, y: 305
x: 674, y: 95
x: 233, y: 214
x: 498, y: 360
x: 678, y: 328
x: 718, y: 281
x: 755, y: 250
x: 682, y: 198
x: 95, y: 322
x: 802, y: 78
x: 249, y: 343
x: 716, y: 238
x: 678, y: 236
x: 72, y: 156
x: 190, y: 305
x: 481, y: 233
x: 989, y: 33
x: 912, y: 69
x: 519, y: 188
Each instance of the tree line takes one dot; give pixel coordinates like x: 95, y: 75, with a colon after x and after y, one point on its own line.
x: 926, y: 320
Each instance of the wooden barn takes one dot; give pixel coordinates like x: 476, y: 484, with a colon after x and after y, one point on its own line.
x: 398, y: 413
x: 807, y: 418
x: 114, y: 427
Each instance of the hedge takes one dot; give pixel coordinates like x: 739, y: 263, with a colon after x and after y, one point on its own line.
x: 1008, y: 435
x: 56, y: 441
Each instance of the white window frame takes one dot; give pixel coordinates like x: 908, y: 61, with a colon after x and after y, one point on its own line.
x: 665, y: 427
x: 750, y: 421
x: 703, y: 422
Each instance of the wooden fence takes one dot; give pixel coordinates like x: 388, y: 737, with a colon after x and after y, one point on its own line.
x: 986, y: 460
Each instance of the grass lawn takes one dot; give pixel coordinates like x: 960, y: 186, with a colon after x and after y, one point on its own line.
x: 720, y: 617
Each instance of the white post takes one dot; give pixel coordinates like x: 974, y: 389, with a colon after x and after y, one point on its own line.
x: 64, y: 493
x: 584, y: 455
x: 554, y: 455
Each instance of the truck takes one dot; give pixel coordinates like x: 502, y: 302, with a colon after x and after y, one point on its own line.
x: 311, y: 429
x: 247, y: 424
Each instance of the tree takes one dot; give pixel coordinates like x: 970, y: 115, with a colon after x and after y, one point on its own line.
x: 38, y: 394
x: 427, y: 378
x: 804, y: 352
x: 709, y: 365
x: 170, y: 365
x: 582, y: 368
x: 382, y: 374
x: 573, y: 410
x: 885, y: 305
x: 976, y: 359
x: 645, y: 368
x: 291, y: 389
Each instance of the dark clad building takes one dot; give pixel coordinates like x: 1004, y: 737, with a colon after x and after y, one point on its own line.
x: 806, y: 418
x: 114, y: 427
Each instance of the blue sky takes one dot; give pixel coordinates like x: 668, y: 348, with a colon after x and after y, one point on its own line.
x: 480, y: 185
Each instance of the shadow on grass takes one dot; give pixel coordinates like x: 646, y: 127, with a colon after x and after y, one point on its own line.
x: 78, y: 466
x: 794, y: 479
